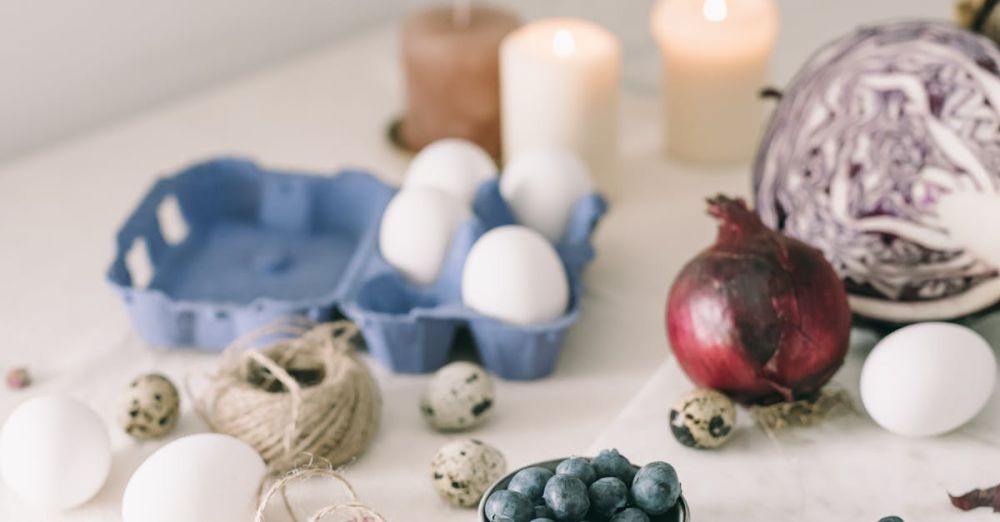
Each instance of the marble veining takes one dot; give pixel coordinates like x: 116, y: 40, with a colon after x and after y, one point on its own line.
x: 845, y: 470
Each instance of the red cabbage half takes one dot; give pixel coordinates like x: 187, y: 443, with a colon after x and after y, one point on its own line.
x: 884, y: 153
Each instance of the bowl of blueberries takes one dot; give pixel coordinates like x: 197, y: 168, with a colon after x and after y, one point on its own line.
x: 605, y: 488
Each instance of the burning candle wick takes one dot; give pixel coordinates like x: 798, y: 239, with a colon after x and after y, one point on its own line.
x: 563, y: 43
x: 462, y: 13
x: 715, y: 10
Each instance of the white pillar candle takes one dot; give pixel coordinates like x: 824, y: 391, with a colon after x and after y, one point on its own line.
x: 559, y: 82
x: 715, y: 58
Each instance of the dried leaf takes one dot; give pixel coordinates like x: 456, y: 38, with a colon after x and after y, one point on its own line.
x: 978, y: 498
x: 807, y: 412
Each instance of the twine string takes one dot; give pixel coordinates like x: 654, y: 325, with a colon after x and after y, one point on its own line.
x: 354, y: 506
x: 294, y: 392
x: 282, y: 484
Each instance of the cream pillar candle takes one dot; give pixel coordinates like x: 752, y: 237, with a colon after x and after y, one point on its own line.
x: 715, y: 58
x: 559, y: 82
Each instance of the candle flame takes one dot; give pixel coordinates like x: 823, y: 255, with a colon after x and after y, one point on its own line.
x: 563, y: 43
x: 715, y: 10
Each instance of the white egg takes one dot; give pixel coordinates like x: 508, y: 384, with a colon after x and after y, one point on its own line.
x: 513, y: 274
x: 416, y: 231
x: 200, y: 478
x: 542, y: 186
x: 460, y: 396
x: 927, y: 379
x: 451, y: 165
x: 54, y: 452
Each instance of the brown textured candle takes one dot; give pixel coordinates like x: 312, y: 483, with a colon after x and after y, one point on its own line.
x: 452, y: 73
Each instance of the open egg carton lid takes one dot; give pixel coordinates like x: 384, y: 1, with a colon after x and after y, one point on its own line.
x: 259, y: 244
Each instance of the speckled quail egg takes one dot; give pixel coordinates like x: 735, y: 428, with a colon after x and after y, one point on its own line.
x: 463, y: 470
x: 460, y: 396
x: 703, y: 419
x: 149, y: 407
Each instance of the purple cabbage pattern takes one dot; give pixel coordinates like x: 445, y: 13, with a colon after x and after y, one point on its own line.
x: 876, y: 130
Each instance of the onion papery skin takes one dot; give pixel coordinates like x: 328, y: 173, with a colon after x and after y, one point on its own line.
x: 875, y: 155
x: 759, y: 316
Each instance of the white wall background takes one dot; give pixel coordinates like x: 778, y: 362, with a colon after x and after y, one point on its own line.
x: 69, y: 65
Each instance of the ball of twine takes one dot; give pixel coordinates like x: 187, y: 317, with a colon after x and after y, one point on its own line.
x: 305, y: 393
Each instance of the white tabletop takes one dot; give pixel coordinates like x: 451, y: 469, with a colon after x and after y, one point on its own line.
x: 60, y: 208
x: 845, y: 469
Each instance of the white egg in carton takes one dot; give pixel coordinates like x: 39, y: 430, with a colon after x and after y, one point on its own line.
x: 459, y: 246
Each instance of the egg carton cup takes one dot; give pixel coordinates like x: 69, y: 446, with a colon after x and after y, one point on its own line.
x: 262, y: 245
x: 410, y: 328
x: 259, y: 245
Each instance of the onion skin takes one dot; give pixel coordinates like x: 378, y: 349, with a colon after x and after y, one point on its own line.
x: 758, y: 316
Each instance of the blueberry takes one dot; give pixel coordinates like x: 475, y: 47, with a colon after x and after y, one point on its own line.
x: 578, y: 467
x: 567, y: 497
x: 543, y: 511
x: 630, y: 515
x: 610, y: 463
x: 542, y: 520
x: 607, y: 497
x: 504, y: 505
x: 530, y: 483
x: 656, y: 488
x: 891, y: 519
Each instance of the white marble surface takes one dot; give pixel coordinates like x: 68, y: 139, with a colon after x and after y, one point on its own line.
x: 59, y: 209
x: 846, y: 469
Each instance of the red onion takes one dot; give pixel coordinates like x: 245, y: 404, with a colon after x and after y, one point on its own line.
x: 759, y: 316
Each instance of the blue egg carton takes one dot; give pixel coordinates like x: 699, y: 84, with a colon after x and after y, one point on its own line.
x: 263, y: 244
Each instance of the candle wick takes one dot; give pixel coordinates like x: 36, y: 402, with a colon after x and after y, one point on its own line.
x: 772, y: 93
x: 462, y: 13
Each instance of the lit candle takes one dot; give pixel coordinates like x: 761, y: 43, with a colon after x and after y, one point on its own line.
x: 715, y: 58
x: 451, y: 55
x: 559, y: 82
